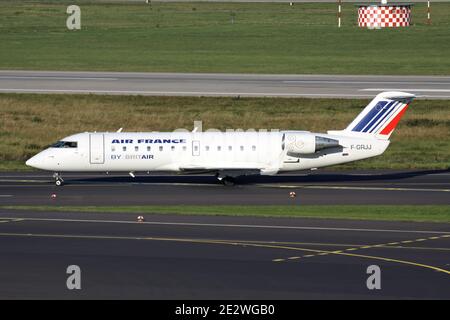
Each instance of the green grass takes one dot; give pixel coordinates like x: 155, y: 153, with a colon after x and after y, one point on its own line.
x: 199, y: 37
x: 432, y: 213
x: 30, y: 122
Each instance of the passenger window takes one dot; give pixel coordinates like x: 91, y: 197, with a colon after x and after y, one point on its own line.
x: 172, y: 148
x: 124, y: 148
x: 148, y: 148
x: 242, y: 148
x: 160, y: 148
x: 113, y: 148
x: 136, y: 148
x: 184, y: 148
x: 207, y: 148
x: 219, y: 148
x: 230, y: 148
x: 253, y: 148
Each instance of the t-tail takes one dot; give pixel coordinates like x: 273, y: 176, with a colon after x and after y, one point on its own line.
x: 381, y: 115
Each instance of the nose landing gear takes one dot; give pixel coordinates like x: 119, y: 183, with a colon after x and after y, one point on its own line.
x: 58, y: 179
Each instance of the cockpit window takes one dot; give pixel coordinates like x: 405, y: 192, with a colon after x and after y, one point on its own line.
x: 65, y: 144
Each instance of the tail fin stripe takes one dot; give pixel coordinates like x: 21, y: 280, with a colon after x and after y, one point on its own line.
x: 388, y: 119
x: 380, y: 117
x: 386, y: 116
x: 387, y: 109
x: 391, y: 126
x: 362, y: 124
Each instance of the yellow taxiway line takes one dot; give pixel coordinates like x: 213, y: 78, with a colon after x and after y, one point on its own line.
x: 239, y: 243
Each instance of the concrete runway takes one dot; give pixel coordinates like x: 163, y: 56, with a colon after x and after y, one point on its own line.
x: 193, y: 84
x: 187, y: 257
x: 316, y: 187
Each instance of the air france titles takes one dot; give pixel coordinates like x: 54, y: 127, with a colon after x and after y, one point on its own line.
x: 141, y: 141
x: 147, y: 141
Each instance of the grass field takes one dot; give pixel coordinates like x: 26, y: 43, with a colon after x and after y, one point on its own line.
x: 29, y: 122
x: 219, y: 37
x: 392, y: 213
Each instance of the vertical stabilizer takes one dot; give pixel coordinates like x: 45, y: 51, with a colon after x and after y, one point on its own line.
x: 382, y: 114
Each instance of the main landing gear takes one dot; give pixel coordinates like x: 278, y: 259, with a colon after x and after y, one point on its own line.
x: 58, y: 179
x: 229, y: 181
x: 226, y: 180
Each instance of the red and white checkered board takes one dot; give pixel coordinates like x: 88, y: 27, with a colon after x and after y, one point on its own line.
x: 384, y: 16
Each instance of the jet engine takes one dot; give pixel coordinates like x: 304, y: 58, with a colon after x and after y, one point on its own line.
x: 306, y: 143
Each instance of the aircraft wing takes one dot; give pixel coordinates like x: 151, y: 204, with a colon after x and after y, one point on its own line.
x: 234, y: 171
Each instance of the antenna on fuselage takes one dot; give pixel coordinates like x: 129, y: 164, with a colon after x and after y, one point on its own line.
x: 120, y: 130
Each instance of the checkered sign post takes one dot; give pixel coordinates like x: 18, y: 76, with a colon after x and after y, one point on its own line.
x: 375, y: 16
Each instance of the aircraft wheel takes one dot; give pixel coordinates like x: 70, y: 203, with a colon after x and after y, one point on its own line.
x: 228, y: 181
x: 59, y: 182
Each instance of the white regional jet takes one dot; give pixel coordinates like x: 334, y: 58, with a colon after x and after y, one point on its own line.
x: 228, y: 154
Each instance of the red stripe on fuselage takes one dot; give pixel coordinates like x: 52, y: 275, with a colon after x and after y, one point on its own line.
x: 391, y: 126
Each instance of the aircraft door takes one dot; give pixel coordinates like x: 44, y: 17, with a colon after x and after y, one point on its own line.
x: 196, y: 148
x: 96, y: 148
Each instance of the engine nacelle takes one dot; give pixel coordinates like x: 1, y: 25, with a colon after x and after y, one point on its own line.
x: 306, y: 143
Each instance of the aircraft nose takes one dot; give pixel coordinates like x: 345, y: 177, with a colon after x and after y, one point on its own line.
x: 32, y: 162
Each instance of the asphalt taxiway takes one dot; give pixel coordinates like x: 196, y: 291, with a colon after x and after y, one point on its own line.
x: 207, y: 257
x: 313, y: 187
x: 204, y: 257
x: 210, y: 84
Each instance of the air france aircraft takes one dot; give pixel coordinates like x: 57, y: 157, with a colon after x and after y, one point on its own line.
x: 227, y: 154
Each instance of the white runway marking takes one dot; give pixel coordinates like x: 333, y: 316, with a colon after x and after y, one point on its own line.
x: 359, y: 82
x: 412, y: 174
x: 212, y: 93
x: 405, y: 89
x: 183, y: 93
x: 359, y: 188
x: 56, y: 78
x: 221, y: 225
x: 6, y: 220
x: 22, y: 180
